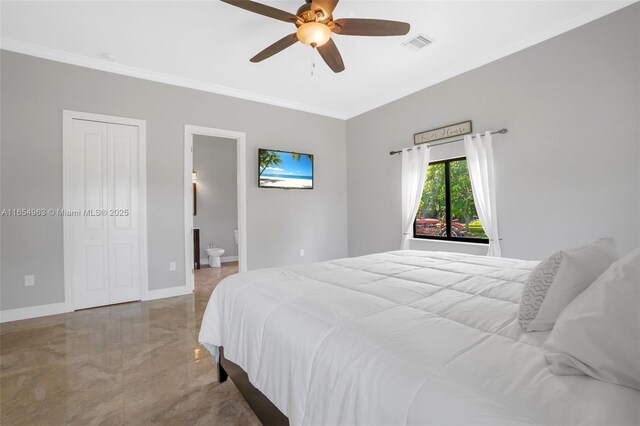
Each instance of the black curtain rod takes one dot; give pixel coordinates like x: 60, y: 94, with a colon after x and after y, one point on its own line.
x: 497, y: 132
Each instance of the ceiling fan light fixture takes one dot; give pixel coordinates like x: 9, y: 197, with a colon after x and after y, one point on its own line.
x: 314, y: 33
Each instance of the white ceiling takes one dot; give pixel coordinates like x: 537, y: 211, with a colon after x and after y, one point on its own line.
x: 207, y: 44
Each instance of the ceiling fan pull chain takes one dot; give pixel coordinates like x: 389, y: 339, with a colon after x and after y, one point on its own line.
x: 313, y: 61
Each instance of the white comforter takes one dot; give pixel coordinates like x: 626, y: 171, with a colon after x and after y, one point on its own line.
x: 405, y: 337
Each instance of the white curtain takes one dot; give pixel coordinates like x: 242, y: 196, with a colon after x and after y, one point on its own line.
x: 415, y: 162
x: 479, y: 151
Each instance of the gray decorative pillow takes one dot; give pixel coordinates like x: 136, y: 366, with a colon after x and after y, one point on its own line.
x: 555, y: 282
x: 536, y: 288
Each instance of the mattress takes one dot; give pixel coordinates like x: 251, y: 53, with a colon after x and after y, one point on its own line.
x: 404, y: 337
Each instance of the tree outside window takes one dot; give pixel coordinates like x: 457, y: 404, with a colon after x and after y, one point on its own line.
x: 447, y: 209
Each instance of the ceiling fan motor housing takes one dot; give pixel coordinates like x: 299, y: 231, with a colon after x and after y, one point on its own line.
x: 307, y: 15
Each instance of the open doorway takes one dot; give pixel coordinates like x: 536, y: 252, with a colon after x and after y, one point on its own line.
x: 200, y: 188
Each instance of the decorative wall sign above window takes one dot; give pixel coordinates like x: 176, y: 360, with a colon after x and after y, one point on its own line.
x: 446, y: 132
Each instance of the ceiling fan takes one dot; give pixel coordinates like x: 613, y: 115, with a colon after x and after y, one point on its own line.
x: 315, y: 24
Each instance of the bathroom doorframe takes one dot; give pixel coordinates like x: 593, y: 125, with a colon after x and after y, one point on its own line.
x: 241, y: 149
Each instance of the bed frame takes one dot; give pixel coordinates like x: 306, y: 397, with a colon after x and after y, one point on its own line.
x: 264, y: 409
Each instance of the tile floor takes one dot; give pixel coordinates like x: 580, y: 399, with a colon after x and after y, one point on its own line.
x: 133, y: 364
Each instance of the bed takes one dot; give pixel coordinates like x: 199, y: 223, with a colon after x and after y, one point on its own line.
x: 403, y: 337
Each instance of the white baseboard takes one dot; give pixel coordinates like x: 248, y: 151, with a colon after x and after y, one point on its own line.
x: 61, y: 308
x: 166, y: 292
x: 33, y: 312
x: 224, y: 259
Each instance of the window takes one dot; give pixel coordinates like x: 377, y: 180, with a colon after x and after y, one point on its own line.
x: 447, y: 210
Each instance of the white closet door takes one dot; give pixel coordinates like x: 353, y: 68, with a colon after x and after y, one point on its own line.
x: 123, y: 220
x: 105, y: 188
x: 89, y: 233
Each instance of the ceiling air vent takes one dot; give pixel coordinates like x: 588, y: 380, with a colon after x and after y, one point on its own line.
x: 418, y: 42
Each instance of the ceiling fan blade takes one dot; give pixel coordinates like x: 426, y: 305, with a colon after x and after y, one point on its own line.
x: 327, y: 6
x: 331, y: 55
x: 370, y: 27
x: 276, y: 47
x: 263, y: 9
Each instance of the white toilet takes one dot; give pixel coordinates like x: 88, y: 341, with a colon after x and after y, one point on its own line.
x: 214, y: 255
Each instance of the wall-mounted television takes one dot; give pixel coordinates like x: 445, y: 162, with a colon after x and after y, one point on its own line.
x: 284, y: 169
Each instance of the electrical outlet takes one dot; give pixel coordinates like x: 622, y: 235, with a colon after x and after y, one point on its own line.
x: 301, y: 252
x: 172, y: 266
x: 29, y: 280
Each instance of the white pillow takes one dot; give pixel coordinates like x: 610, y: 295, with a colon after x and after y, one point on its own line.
x: 598, y: 334
x: 555, y: 282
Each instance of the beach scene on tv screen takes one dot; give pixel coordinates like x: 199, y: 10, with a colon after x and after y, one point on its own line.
x: 285, y: 170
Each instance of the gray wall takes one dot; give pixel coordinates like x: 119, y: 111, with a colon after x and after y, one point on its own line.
x: 567, y: 172
x: 279, y: 223
x: 214, y: 159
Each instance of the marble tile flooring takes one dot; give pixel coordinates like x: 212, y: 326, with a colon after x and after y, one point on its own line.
x: 133, y: 364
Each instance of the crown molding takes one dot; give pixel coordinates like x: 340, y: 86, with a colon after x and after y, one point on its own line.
x: 18, y: 46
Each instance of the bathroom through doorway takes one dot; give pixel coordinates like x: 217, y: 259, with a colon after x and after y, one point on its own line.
x: 215, y: 198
